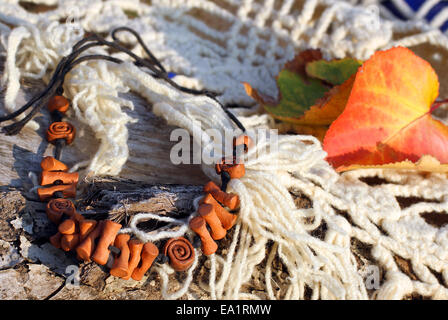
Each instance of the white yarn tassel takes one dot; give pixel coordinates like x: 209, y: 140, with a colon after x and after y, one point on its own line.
x: 12, y: 72
x: 396, y: 287
x: 95, y: 88
x: 268, y: 212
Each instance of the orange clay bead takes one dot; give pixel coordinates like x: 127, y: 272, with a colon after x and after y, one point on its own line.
x: 149, y: 253
x: 61, y: 130
x: 108, y: 235
x: 87, y: 246
x: 67, y: 227
x: 198, y: 225
x: 51, y: 164
x: 180, y: 252
x: 54, y: 216
x: 243, y: 140
x: 230, y: 200
x: 77, y: 218
x: 121, y: 263
x: 68, y: 191
x: 235, y: 170
x: 56, y: 208
x: 50, y: 177
x: 69, y: 241
x: 227, y: 219
x: 207, y: 211
x: 85, y: 227
x: 135, y: 248
x: 55, y: 240
x: 59, y: 103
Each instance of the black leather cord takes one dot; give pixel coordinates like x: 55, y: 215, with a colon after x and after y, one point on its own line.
x: 69, y: 62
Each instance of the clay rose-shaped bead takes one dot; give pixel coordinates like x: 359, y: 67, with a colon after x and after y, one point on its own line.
x: 56, y: 208
x: 180, y: 252
x: 61, y: 130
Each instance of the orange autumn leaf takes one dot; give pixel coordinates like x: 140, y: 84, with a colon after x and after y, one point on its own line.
x: 387, y: 118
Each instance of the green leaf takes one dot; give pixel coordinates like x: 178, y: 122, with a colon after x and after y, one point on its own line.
x: 335, y: 72
x: 296, y: 95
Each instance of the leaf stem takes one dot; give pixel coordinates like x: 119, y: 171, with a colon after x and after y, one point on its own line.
x: 438, y: 104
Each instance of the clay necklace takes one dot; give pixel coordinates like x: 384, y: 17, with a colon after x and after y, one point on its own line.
x: 101, y: 241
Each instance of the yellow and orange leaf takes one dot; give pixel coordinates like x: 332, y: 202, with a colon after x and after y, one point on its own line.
x: 387, y: 118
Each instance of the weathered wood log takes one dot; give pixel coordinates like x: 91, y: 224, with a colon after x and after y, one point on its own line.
x: 120, y: 199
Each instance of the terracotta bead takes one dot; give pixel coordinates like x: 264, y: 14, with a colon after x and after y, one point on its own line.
x: 56, y: 208
x: 68, y: 191
x: 67, y: 227
x: 230, y: 200
x: 50, y: 177
x: 59, y: 103
x: 69, y: 241
x: 227, y: 219
x: 149, y: 253
x: 108, y: 235
x: 121, y: 263
x: 54, y: 216
x: 55, y: 240
x: 180, y: 252
x: 87, y: 246
x: 85, y: 227
x: 235, y: 170
x: 207, y: 211
x: 61, y: 130
x: 243, y: 140
x: 208, y: 246
x: 77, y: 218
x: 51, y: 164
x: 135, y: 248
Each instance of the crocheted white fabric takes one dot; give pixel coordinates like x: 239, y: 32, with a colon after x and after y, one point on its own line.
x: 217, y: 45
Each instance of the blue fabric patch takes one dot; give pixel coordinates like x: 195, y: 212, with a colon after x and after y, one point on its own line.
x: 390, y: 6
x: 415, y: 5
x: 444, y: 26
x: 436, y: 9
